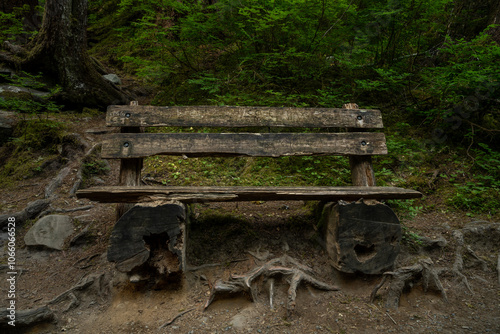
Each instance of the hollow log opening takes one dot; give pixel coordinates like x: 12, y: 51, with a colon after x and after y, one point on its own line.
x: 162, y: 258
x: 163, y: 267
x: 365, y: 253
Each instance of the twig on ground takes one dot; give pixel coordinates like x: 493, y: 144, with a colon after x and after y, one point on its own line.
x: 209, y: 265
x: 81, y: 208
x: 394, y: 321
x: 168, y: 323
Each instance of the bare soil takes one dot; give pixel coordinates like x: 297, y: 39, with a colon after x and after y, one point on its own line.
x: 266, y: 230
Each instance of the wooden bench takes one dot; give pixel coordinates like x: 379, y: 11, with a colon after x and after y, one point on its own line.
x: 131, y: 146
x: 371, y: 247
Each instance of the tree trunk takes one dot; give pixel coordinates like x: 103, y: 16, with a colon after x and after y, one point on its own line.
x: 60, y: 51
x: 494, y: 18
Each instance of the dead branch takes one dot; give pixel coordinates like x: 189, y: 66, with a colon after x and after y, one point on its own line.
x: 81, y: 208
x: 168, y: 323
x: 210, y: 265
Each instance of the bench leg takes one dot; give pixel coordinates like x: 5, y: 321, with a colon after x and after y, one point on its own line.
x: 148, y: 242
x: 361, y: 237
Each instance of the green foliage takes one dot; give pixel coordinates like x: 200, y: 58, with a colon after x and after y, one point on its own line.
x: 11, y: 24
x: 405, y: 209
x: 38, y: 134
x: 94, y: 168
x: 411, y: 239
x: 464, y: 85
x: 36, y: 142
x: 26, y: 101
x: 480, y: 193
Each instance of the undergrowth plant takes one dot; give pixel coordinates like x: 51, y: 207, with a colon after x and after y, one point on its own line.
x: 27, y: 100
x: 480, y: 193
x: 12, y: 25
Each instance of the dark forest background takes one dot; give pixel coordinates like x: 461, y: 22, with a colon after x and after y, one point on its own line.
x: 432, y: 67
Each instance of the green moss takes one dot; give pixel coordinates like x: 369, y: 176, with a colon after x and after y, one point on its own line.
x: 39, y: 134
x: 35, y: 143
x: 22, y: 165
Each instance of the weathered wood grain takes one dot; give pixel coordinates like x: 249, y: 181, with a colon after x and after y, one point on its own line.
x: 361, y: 237
x: 130, y: 173
x: 141, y: 145
x: 224, y: 116
x: 362, y: 173
x: 127, y: 245
x: 119, y: 194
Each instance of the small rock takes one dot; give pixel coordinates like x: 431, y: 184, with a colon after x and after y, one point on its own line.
x: 97, y: 180
x: 50, y: 231
x: 433, y: 243
x: 113, y: 78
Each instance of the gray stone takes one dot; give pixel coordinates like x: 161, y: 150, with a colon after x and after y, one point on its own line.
x: 113, y: 78
x: 430, y: 244
x: 50, y: 231
x: 19, y: 90
x: 4, y: 71
x: 8, y: 121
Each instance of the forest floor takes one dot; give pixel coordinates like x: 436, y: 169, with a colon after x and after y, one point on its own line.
x: 268, y: 229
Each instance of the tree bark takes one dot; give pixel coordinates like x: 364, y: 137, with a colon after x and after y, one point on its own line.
x: 60, y: 52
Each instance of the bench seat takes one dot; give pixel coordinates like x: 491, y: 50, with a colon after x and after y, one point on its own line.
x: 193, y: 194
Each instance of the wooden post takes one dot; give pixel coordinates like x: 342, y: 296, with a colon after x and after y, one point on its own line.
x: 362, y: 173
x: 130, y: 170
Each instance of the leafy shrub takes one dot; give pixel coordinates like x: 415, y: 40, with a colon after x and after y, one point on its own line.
x: 481, y: 192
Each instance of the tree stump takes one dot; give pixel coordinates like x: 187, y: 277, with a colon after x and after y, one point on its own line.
x: 361, y: 237
x: 150, y: 238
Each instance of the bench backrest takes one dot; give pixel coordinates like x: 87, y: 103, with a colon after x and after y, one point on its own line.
x: 130, y: 144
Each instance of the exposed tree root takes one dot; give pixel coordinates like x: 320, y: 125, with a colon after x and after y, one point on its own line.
x: 406, y: 276
x: 25, y: 318
x: 85, y: 283
x: 424, y: 269
x: 243, y: 283
x: 79, y: 175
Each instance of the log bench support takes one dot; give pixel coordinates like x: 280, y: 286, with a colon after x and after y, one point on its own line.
x: 360, y: 237
x: 149, y: 241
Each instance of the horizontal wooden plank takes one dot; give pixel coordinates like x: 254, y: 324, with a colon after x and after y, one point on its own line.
x: 215, y: 116
x: 139, y: 145
x: 121, y: 194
